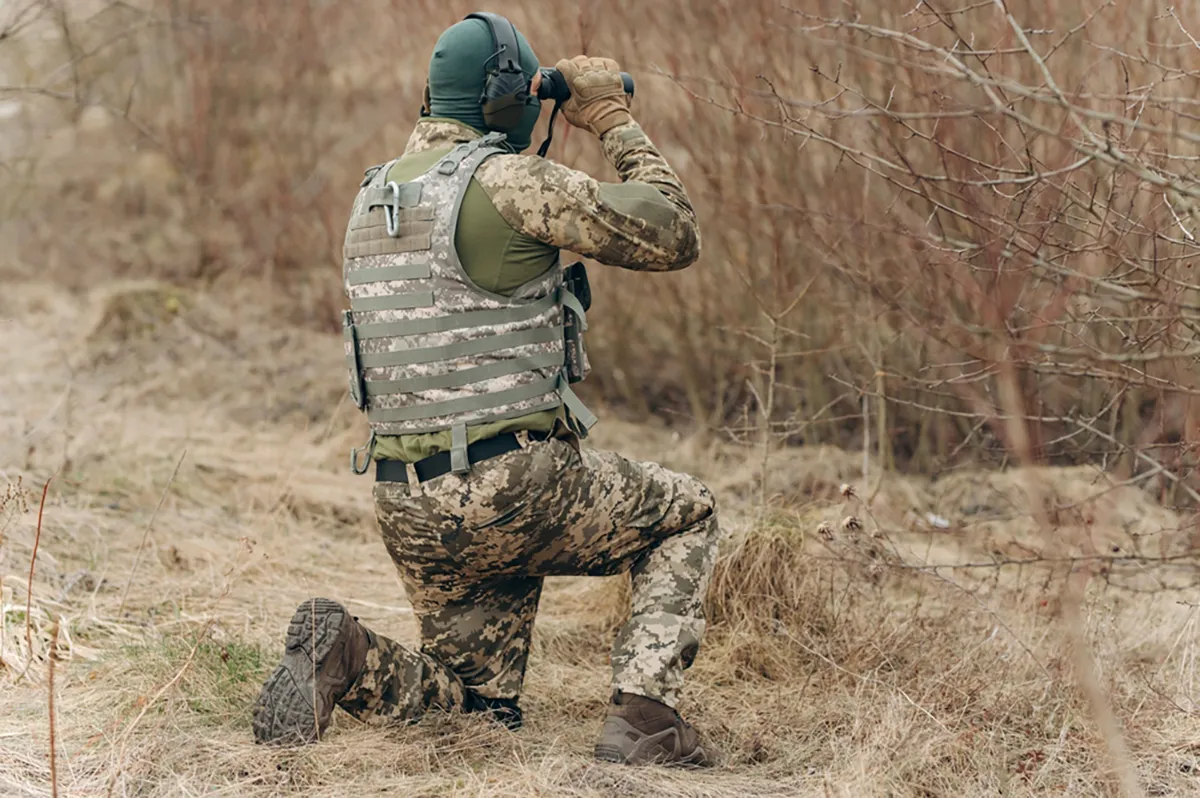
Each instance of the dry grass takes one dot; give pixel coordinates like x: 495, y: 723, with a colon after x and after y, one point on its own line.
x: 868, y: 209
x: 837, y: 664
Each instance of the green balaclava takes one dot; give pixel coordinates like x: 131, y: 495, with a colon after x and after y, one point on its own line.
x: 458, y: 72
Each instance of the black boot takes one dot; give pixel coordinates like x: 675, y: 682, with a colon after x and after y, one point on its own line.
x: 325, y: 651
x: 504, y: 711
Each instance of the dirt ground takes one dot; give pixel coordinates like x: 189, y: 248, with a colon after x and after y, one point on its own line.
x: 200, y: 491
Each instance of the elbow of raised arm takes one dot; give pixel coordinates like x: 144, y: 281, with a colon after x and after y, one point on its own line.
x: 686, y: 249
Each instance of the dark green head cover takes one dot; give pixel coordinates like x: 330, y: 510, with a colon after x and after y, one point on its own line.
x: 458, y: 73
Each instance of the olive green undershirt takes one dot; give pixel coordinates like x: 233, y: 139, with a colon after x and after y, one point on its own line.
x: 497, y: 258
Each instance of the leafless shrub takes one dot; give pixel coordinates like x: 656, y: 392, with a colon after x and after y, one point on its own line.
x: 917, y: 207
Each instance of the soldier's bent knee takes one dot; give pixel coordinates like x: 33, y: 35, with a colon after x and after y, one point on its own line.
x: 697, y: 498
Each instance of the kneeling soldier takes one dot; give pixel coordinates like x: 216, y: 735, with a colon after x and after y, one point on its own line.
x: 463, y: 341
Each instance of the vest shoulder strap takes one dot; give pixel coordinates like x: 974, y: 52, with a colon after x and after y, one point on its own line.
x: 369, y: 175
x: 449, y: 164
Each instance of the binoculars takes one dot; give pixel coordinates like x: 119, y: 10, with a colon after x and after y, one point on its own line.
x: 554, y: 85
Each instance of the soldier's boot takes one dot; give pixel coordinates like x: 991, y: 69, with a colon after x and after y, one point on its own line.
x: 642, y: 731
x: 326, y: 649
x: 505, y: 711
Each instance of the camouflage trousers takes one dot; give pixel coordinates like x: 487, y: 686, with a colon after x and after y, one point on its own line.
x: 472, y: 552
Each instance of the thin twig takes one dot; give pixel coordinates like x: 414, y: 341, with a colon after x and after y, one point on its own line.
x: 768, y: 412
x: 1085, y: 672
x: 860, y: 676
x: 124, y: 738
x: 1141, y: 456
x: 50, y: 706
x: 37, y: 539
x: 999, y: 620
x: 146, y: 533
x: 866, y: 444
x: 316, y: 714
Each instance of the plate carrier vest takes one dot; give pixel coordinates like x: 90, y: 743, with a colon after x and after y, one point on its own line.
x: 427, y: 349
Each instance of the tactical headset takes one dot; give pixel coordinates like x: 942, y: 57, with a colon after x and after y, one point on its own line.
x: 506, y: 93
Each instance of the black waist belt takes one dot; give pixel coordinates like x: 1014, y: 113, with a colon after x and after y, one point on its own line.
x: 438, y: 464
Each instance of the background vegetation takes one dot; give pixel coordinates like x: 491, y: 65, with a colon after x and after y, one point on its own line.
x: 929, y: 215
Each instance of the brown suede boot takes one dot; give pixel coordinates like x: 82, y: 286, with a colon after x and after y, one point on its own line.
x: 325, y: 651
x: 642, y: 731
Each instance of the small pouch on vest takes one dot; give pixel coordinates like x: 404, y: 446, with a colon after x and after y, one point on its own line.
x: 577, y: 298
x: 358, y: 389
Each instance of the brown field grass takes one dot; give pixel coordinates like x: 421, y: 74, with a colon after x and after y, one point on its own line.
x: 890, y: 264
x: 838, y: 663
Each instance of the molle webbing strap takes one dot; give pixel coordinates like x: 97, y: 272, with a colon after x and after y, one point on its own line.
x: 360, y: 466
x: 348, y: 340
x: 574, y: 404
x: 468, y: 404
x: 389, y: 219
x: 478, y: 346
x: 552, y: 402
x: 369, y: 220
x: 358, y: 391
x: 467, y: 376
x: 393, y: 195
x: 459, y: 464
x: 371, y: 174
x: 457, y: 321
x: 571, y: 301
x: 450, y: 163
x: 416, y: 299
x: 411, y: 271
x: 364, y: 246
x: 368, y: 233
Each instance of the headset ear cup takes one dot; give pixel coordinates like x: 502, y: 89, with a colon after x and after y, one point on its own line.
x: 504, y: 114
x: 504, y: 100
x: 506, y: 92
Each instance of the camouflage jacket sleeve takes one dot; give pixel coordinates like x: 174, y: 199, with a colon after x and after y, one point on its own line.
x: 645, y: 223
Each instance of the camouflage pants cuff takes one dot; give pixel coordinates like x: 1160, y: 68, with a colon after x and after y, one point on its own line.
x: 651, y: 653
x: 398, y: 685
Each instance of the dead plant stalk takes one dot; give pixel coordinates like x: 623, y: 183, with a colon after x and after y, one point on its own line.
x: 37, y: 539
x: 146, y: 533
x: 1071, y: 616
x: 125, y: 735
x: 51, y: 660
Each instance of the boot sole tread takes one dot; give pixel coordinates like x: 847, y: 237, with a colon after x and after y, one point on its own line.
x: 283, y: 713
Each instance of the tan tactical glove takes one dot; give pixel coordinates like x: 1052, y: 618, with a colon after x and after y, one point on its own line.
x: 598, y: 100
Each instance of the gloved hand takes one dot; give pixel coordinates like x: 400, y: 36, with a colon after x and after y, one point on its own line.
x: 598, y: 100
